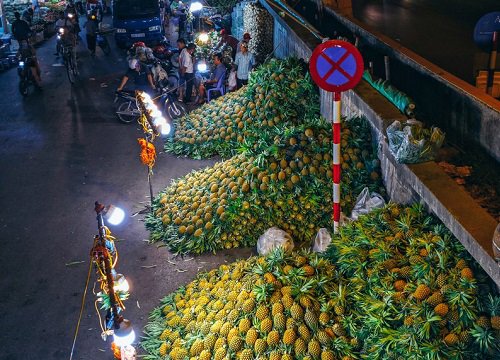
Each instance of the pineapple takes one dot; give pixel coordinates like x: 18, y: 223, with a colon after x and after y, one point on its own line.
x: 297, y: 312
x: 273, y: 338
x: 300, y: 346
x: 262, y: 312
x: 327, y: 355
x: 246, y: 354
x: 251, y: 337
x: 441, y: 309
x: 484, y: 322
x: 311, y: 320
x: 209, y: 342
x: 399, y: 285
x: 260, y: 346
x: 236, y: 343
x: 289, y: 337
x: 304, y: 332
x: 244, y: 325
x: 220, y: 354
x: 323, y: 337
x: 163, y: 349
x: 314, y: 348
x: 279, y: 321
x: 435, y: 299
x: 467, y: 273
x: 196, y: 347
x: 266, y: 325
x: 274, y: 355
x: 277, y: 308
x: 451, y: 339
x: 422, y: 292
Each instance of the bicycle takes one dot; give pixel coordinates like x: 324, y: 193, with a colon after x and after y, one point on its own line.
x: 69, y: 58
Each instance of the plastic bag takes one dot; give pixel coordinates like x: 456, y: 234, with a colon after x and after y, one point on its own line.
x: 231, y: 81
x: 322, y: 240
x: 274, y: 238
x: 366, y: 202
x: 413, y: 143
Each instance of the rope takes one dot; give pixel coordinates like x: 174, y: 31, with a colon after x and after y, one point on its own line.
x: 81, y: 308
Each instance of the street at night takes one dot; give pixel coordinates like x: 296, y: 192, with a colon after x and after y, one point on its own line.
x: 409, y: 268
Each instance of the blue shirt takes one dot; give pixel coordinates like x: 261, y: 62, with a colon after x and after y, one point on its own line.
x: 220, y: 70
x: 245, y: 63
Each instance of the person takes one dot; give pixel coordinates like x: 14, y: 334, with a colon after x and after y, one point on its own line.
x: 244, y: 64
x: 181, y: 45
x: 20, y: 28
x: 60, y: 24
x: 186, y: 69
x: 247, y: 38
x: 27, y: 53
x: 219, y: 72
x: 91, y: 29
x: 140, y: 74
x: 227, y: 39
x: 72, y: 15
x: 28, y: 15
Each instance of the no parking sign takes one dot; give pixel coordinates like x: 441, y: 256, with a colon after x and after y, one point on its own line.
x: 336, y: 66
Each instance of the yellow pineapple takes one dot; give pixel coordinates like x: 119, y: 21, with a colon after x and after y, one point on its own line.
x: 266, y: 325
x: 451, y: 339
x: 300, y: 346
x: 220, y: 354
x: 244, y: 325
x: 273, y: 338
x: 297, y: 312
x: 164, y: 347
x: 262, y: 312
x: 327, y: 355
x: 441, y: 309
x: 251, y: 337
x: 260, y: 346
x: 314, y: 348
x: 246, y: 354
x: 236, y: 343
x: 289, y: 337
x: 422, y: 292
x: 196, y: 348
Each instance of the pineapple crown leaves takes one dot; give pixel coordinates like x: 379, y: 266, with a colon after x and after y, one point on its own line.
x: 485, y: 339
x: 493, y: 305
x: 430, y: 326
x: 263, y: 292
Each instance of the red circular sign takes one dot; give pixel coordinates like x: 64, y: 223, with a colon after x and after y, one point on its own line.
x: 336, y: 66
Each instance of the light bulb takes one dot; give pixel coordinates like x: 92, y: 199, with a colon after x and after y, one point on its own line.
x: 125, y: 334
x: 202, y: 67
x: 196, y: 6
x: 203, y: 37
x: 114, y: 215
x: 120, y: 283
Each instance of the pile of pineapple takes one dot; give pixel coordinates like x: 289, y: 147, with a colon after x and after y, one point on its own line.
x: 287, y: 184
x: 276, y: 307
x: 394, y: 284
x: 259, y: 23
x: 413, y: 290
x: 280, y: 94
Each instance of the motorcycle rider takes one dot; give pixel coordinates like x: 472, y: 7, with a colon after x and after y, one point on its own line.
x: 91, y: 29
x: 20, y: 28
x: 60, y: 24
x: 140, y: 74
x: 27, y: 53
x: 72, y: 15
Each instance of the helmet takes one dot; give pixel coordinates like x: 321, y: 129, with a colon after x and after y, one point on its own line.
x: 132, y: 63
x: 138, y: 44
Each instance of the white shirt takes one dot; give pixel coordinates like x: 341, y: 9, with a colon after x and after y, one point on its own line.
x: 186, y: 60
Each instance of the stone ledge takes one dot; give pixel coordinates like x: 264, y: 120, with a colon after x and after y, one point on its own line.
x: 472, y: 225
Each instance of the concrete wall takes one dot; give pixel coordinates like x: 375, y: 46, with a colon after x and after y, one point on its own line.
x: 426, y: 183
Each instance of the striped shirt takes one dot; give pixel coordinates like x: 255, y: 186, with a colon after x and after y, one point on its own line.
x: 245, y: 63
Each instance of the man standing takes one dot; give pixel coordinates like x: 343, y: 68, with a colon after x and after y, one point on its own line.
x: 247, y: 38
x: 244, y: 64
x: 186, y: 68
x: 20, y: 28
x: 227, y: 39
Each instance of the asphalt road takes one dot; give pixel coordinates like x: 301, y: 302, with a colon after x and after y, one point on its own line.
x: 61, y: 150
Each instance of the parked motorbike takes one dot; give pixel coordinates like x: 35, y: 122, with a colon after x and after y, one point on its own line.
x: 128, y: 110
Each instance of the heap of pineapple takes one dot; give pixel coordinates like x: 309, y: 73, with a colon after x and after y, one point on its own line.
x: 287, y: 184
x: 259, y: 23
x: 394, y: 284
x: 414, y: 290
x: 278, y: 307
x: 280, y: 94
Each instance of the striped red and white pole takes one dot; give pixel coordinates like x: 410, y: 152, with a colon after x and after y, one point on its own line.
x: 336, y: 160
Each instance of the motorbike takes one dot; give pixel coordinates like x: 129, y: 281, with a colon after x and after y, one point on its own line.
x: 26, y: 79
x: 128, y: 110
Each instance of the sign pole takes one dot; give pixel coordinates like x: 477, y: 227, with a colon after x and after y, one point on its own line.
x: 336, y: 66
x: 493, y: 62
x: 336, y: 129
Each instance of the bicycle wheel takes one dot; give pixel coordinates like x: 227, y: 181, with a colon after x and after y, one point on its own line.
x: 127, y: 112
x: 176, y: 110
x: 24, y: 87
x: 68, y: 61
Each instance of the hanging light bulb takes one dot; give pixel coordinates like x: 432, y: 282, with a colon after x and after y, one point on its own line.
x: 120, y: 283
x: 114, y: 215
x: 145, y: 96
x: 196, y: 6
x: 125, y: 334
x: 203, y: 37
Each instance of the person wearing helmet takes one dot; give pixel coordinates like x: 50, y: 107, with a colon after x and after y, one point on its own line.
x: 140, y: 74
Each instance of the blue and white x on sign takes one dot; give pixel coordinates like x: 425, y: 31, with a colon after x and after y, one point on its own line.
x: 336, y: 66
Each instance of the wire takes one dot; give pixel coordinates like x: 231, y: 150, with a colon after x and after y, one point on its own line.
x: 81, y: 308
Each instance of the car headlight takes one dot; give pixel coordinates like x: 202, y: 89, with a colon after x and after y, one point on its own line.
x: 121, y: 31
x: 154, y: 28
x: 21, y: 63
